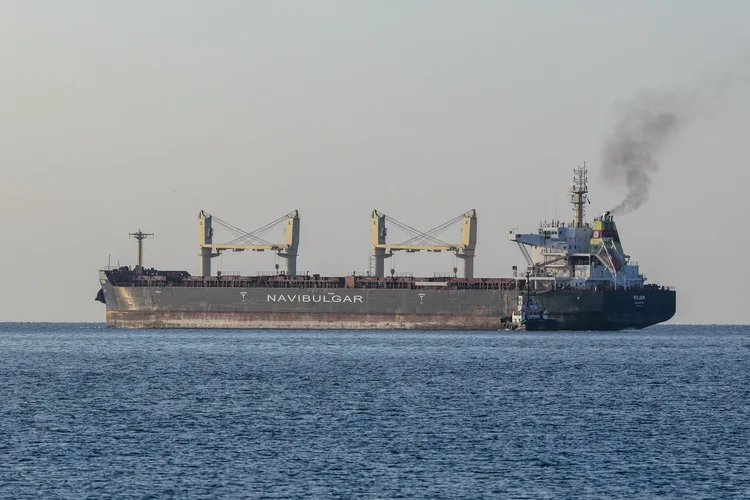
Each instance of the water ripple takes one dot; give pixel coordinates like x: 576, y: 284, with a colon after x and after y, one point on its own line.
x: 91, y: 412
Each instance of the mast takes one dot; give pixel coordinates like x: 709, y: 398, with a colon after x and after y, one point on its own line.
x: 140, y: 236
x: 578, y: 193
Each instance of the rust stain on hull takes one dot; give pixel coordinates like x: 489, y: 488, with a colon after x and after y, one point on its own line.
x: 298, y: 321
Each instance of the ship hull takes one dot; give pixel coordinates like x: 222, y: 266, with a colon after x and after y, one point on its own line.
x: 374, y: 309
x: 608, y: 310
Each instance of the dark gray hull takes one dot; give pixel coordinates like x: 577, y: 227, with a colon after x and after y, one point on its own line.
x: 356, y: 308
x: 608, y: 310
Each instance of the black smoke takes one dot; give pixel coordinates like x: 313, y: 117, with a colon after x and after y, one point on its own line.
x: 632, y: 152
x: 648, y: 123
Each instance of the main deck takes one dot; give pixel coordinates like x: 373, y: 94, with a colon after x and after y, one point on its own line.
x: 153, y: 278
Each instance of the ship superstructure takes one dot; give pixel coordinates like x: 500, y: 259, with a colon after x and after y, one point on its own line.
x: 578, y: 254
x: 577, y: 277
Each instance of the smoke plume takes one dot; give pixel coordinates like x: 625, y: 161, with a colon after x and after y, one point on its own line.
x: 649, y: 122
x: 631, y: 154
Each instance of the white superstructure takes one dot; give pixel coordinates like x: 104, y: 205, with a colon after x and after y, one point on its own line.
x: 577, y: 254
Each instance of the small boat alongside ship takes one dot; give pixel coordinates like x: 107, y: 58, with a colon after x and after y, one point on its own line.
x: 528, y: 316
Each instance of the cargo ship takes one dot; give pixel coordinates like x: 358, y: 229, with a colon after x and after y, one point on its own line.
x: 577, y: 277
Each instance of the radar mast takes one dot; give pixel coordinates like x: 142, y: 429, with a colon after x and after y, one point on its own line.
x: 578, y: 194
x: 140, y: 236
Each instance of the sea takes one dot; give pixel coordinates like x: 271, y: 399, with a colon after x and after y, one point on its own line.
x: 90, y: 412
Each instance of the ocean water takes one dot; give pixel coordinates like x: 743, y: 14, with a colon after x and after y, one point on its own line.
x: 87, y: 412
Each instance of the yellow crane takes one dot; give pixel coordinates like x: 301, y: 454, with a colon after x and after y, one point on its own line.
x: 248, y: 241
x: 427, y: 241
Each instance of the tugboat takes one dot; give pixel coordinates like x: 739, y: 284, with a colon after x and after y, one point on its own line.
x: 527, y: 316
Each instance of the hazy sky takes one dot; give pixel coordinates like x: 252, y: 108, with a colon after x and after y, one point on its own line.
x: 116, y: 116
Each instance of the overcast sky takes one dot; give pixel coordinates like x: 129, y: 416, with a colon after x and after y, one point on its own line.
x: 116, y: 116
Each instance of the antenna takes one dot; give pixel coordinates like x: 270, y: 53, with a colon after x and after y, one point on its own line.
x: 578, y: 193
x: 555, y: 206
x: 140, y: 236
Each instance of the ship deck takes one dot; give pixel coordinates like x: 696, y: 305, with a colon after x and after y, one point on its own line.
x: 125, y: 277
x: 154, y: 278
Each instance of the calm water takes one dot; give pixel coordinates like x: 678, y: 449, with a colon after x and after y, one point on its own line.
x: 90, y: 412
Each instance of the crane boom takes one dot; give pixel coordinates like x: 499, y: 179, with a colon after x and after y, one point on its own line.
x: 464, y: 250
x: 287, y: 250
